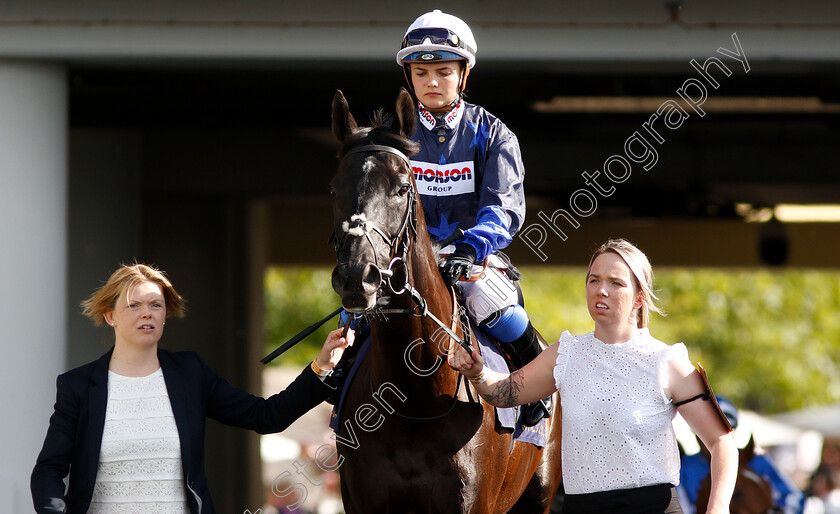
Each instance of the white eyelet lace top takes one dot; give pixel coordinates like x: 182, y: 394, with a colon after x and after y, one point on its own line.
x: 140, y: 460
x: 617, y: 431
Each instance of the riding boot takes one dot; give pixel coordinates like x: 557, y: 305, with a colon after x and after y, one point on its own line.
x: 523, y: 350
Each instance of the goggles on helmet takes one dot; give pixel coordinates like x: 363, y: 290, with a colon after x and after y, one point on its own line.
x: 432, y: 55
x: 436, y: 37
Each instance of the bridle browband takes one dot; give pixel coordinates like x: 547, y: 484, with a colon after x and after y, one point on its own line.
x: 380, y: 148
x: 398, y: 255
x: 399, y: 247
x: 399, y: 244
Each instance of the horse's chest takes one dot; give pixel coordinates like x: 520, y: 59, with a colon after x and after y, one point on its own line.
x: 406, y: 453
x: 406, y: 470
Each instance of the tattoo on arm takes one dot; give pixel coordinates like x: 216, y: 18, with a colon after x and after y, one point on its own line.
x: 505, y: 393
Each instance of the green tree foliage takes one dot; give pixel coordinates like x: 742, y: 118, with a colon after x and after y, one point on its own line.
x: 770, y: 340
x: 294, y: 299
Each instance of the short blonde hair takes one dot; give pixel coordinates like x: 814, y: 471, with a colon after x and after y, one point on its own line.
x: 125, y: 278
x: 642, y: 272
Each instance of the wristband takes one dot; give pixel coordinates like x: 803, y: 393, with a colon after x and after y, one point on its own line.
x: 478, y: 379
x: 323, y: 373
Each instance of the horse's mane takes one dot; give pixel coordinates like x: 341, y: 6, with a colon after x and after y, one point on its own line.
x: 379, y: 133
x: 436, y: 248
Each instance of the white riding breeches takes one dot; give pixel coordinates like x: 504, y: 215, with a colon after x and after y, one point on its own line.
x: 491, y: 292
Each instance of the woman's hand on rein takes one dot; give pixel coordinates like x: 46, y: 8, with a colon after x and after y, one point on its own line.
x: 470, y: 365
x: 334, y: 348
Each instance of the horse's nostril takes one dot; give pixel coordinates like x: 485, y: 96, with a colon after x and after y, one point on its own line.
x: 338, y: 280
x: 372, y: 278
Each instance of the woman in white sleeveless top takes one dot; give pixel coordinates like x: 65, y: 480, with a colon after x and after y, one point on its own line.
x: 619, y: 389
x: 129, y: 427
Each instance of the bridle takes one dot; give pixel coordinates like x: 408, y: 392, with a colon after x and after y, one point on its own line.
x: 398, y: 245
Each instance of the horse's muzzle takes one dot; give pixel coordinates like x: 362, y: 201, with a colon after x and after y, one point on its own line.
x: 357, y: 284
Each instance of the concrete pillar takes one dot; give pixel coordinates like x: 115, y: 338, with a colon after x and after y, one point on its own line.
x: 33, y: 255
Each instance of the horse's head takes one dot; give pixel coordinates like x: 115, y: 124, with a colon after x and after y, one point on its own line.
x: 752, y: 495
x: 374, y: 200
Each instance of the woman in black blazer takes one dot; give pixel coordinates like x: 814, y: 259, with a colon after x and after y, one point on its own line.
x: 136, y: 301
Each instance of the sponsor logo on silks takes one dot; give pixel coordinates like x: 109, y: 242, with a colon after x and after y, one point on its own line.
x: 453, y: 114
x: 427, y: 118
x: 454, y: 178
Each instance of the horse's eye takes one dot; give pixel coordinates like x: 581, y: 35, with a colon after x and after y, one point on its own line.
x: 403, y: 190
x: 332, y: 192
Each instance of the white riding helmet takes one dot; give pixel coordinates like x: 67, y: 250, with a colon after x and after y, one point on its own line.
x: 435, y: 37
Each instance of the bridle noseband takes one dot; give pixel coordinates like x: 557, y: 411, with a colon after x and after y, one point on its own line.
x: 359, y: 225
x: 399, y: 246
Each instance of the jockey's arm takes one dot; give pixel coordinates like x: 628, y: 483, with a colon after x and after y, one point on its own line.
x: 490, y: 233
x: 529, y: 384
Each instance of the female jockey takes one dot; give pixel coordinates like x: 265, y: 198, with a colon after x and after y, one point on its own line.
x: 469, y: 173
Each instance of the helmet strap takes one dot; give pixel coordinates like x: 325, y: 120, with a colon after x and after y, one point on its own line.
x: 462, y: 83
x: 407, y: 75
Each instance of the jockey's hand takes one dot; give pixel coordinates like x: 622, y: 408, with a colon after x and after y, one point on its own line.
x: 459, y: 264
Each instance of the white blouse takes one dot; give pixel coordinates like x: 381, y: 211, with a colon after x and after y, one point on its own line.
x: 617, y: 431
x: 140, y: 467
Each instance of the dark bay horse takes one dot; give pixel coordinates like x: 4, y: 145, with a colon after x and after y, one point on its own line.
x: 413, y: 436
x: 752, y: 494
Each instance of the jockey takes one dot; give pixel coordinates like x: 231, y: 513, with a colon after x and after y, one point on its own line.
x: 469, y: 173
x: 694, y: 468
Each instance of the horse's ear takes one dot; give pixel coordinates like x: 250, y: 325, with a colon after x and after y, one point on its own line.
x: 343, y: 123
x: 748, y: 452
x: 406, y: 118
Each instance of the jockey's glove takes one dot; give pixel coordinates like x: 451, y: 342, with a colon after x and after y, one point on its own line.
x: 459, y: 264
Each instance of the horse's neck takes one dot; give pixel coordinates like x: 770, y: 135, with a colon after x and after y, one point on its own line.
x: 414, y: 347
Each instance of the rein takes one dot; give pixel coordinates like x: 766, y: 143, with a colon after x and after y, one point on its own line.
x: 398, y: 254
x: 424, y: 311
x: 399, y: 245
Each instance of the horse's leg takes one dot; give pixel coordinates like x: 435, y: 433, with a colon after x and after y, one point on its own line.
x: 486, y: 454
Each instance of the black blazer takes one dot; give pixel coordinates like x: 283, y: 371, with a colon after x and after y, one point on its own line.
x: 195, y: 391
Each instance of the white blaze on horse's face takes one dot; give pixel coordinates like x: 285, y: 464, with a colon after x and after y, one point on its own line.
x: 357, y: 226
x: 369, y: 165
x: 358, y: 281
